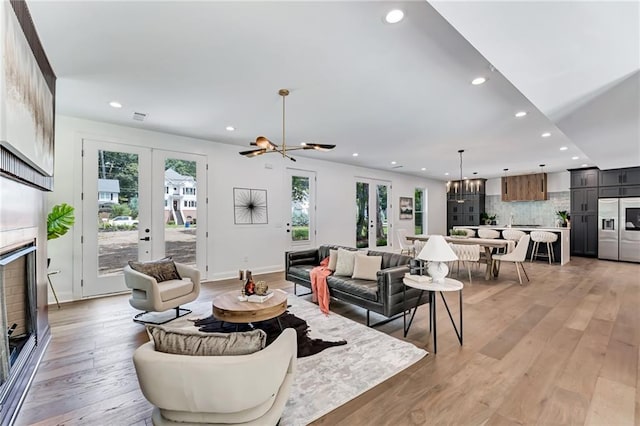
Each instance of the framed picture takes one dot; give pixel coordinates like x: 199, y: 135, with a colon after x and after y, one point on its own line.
x: 250, y: 206
x: 27, y: 93
x: 406, y: 208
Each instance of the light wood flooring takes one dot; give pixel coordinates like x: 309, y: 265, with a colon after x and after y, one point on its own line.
x: 563, y: 349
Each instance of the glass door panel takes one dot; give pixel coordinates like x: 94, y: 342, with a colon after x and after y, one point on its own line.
x: 301, y: 223
x: 372, y: 213
x: 115, y: 214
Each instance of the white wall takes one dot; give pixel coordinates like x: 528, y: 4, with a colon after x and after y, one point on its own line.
x: 556, y: 182
x: 229, y: 244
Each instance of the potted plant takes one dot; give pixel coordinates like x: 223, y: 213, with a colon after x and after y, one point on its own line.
x: 59, y: 220
x: 563, y: 215
x: 484, y: 218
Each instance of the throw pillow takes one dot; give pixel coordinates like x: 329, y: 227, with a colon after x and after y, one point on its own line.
x: 367, y: 267
x: 333, y: 259
x: 193, y: 342
x: 345, y: 262
x: 162, y: 269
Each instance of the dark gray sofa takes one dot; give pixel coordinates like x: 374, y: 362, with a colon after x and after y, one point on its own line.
x: 384, y: 296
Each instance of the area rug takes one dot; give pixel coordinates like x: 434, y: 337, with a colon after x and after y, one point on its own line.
x: 338, y: 374
x: 306, y: 345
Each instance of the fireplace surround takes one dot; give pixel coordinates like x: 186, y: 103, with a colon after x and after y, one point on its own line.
x: 27, y: 114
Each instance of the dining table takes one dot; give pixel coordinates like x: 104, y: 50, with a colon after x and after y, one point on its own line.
x: 490, y: 246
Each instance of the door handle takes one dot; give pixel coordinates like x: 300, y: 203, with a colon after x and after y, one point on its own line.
x: 145, y: 239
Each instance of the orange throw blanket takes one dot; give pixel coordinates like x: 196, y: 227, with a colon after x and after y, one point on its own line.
x: 319, y: 287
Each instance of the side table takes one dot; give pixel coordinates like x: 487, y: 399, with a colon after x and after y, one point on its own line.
x: 449, y: 284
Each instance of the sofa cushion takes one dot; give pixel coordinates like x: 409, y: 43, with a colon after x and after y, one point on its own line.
x: 333, y: 259
x: 367, y: 267
x: 345, y: 263
x: 193, y: 342
x: 366, y: 289
x: 161, y: 269
x: 173, y: 289
x: 301, y: 271
x: 390, y: 260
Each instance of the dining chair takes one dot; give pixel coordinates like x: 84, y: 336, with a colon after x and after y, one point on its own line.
x: 466, y: 254
x: 405, y: 246
x: 517, y: 256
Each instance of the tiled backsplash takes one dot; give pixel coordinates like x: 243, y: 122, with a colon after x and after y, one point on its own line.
x: 528, y: 212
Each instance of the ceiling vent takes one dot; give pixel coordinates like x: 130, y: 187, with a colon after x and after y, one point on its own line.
x: 397, y: 167
x: 139, y: 116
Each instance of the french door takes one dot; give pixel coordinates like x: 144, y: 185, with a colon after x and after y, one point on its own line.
x: 301, y: 208
x: 139, y: 204
x: 372, y: 213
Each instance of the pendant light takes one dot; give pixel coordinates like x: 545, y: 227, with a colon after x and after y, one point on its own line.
x: 461, y: 196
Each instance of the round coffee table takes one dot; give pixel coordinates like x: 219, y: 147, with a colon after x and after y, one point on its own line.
x: 227, y: 308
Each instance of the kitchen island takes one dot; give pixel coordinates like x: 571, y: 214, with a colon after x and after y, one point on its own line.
x: 561, y: 247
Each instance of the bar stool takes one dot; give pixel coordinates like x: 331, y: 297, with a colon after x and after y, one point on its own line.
x: 512, y: 234
x: 543, y: 237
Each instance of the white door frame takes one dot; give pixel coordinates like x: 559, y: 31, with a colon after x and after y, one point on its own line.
x: 373, y: 208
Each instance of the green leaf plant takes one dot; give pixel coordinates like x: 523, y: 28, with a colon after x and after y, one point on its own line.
x: 59, y: 220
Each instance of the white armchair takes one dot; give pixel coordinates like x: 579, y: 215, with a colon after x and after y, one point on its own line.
x: 149, y: 295
x: 240, y: 389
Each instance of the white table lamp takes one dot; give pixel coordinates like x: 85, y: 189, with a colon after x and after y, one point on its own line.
x: 436, y: 252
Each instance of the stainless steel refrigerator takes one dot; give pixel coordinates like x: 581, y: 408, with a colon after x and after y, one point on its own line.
x: 619, y: 229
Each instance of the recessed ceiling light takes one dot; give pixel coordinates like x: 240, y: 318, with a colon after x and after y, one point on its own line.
x: 584, y: 165
x: 545, y: 134
x: 423, y: 169
x: 575, y: 158
x: 394, y: 162
x: 394, y: 16
x: 563, y: 148
x: 303, y: 143
x: 230, y: 128
x: 465, y: 178
x: 446, y: 174
x: 115, y: 104
x: 355, y: 154
x: 478, y: 81
x: 521, y: 114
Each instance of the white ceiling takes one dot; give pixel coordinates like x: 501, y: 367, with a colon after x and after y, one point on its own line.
x: 389, y: 92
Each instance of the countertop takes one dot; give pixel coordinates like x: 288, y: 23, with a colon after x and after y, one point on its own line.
x: 521, y: 228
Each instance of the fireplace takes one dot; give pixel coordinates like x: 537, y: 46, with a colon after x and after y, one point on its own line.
x: 24, y: 324
x: 17, y: 302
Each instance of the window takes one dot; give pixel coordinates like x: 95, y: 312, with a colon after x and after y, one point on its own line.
x: 185, y: 203
x: 419, y: 211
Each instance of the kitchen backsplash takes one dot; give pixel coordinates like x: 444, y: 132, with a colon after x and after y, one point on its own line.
x: 541, y: 213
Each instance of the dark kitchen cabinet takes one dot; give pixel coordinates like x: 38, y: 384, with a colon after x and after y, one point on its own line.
x: 616, y: 177
x: 584, y: 201
x: 468, y: 212
x: 584, y: 235
x: 619, y: 191
x: 584, y: 212
x: 584, y: 178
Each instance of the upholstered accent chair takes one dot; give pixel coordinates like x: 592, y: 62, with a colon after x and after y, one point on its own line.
x: 249, y: 390
x: 149, y: 295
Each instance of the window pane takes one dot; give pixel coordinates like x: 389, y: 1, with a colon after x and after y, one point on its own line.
x: 362, y: 214
x: 300, y: 208
x: 180, y: 213
x: 419, y: 216
x: 117, y: 218
x: 381, y: 216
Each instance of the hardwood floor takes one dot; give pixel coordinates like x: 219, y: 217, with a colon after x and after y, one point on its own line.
x: 563, y: 349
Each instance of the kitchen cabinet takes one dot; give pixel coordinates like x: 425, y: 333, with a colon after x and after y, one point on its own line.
x: 532, y: 187
x: 584, y: 178
x: 619, y: 191
x: 584, y: 201
x: 584, y: 212
x: 584, y: 235
x: 467, y: 213
x: 615, y: 177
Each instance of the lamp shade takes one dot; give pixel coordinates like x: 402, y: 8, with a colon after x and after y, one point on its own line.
x: 437, y: 250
